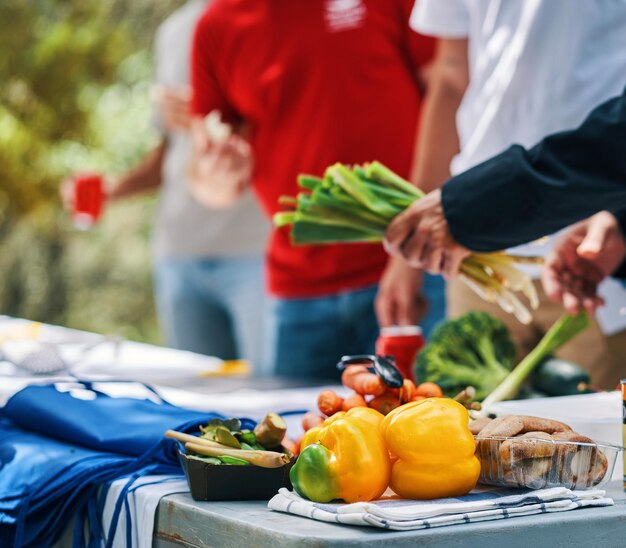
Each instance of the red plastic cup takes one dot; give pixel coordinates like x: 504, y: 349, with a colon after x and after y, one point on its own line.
x: 403, y: 343
x: 88, y: 200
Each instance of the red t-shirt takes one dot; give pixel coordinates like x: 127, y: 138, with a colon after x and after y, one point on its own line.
x: 318, y: 82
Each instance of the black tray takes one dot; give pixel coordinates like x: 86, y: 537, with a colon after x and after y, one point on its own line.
x: 222, y: 482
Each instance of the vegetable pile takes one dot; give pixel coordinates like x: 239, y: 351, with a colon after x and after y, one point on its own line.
x: 356, y: 204
x: 422, y: 450
x: 224, y: 442
x: 473, y: 350
x: 369, y: 391
x: 476, y: 350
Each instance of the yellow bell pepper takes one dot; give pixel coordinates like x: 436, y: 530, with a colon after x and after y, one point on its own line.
x: 434, y: 449
x: 345, y: 458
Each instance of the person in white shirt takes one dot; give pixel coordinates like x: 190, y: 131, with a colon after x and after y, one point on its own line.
x: 512, y: 72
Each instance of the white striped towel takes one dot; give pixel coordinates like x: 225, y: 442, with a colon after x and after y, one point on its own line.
x: 482, y: 504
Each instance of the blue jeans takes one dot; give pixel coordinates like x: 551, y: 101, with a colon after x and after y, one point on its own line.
x: 212, y: 306
x: 309, y: 336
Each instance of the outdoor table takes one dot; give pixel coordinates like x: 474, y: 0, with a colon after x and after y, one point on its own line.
x: 182, y: 521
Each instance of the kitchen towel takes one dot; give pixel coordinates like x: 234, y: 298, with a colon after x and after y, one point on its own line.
x: 481, y: 504
x: 136, y: 524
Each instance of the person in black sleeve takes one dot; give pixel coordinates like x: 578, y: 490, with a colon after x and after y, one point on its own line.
x: 521, y: 195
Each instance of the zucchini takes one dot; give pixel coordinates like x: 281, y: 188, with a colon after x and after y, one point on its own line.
x: 557, y: 377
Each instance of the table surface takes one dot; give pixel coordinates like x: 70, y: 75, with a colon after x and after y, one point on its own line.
x: 181, y: 520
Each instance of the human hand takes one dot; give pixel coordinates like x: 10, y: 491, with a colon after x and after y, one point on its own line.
x: 174, y: 105
x: 582, y: 257
x: 399, y: 300
x: 220, y: 172
x: 421, y: 235
x: 67, y: 191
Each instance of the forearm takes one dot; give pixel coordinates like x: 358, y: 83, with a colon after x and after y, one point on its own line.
x: 437, y: 140
x: 620, y: 215
x: 521, y: 195
x: 145, y: 176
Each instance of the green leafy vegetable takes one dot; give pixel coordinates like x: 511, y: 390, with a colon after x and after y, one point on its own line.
x: 223, y: 436
x: 564, y: 329
x: 473, y: 350
x: 233, y: 461
x: 247, y: 436
x: 204, y: 458
x: 356, y: 204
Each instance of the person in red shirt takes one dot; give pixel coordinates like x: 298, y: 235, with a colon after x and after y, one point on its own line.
x: 311, y: 83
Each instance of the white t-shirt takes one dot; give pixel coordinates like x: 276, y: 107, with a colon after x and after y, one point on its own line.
x: 535, y: 67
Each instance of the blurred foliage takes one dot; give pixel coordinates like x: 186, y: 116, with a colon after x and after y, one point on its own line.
x: 75, y: 80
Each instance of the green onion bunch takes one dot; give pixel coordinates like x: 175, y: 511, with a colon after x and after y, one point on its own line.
x: 357, y: 204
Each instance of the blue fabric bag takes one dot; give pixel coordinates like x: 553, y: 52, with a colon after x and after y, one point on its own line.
x: 57, y: 451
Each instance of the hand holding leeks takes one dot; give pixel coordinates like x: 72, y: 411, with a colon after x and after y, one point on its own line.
x: 421, y: 235
x: 359, y: 203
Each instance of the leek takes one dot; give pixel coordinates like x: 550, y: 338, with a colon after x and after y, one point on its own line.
x: 357, y: 204
x: 563, y: 330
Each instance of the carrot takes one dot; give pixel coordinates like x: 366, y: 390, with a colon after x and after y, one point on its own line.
x: 384, y: 404
x: 329, y: 402
x: 408, y: 390
x: 356, y: 400
x: 362, y: 381
x: 429, y: 390
x: 290, y: 445
x: 298, y: 443
x: 395, y: 392
x: 310, y: 420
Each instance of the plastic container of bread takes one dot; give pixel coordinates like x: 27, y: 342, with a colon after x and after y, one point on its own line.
x: 538, y: 463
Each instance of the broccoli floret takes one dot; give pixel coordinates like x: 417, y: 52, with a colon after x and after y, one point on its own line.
x: 473, y: 350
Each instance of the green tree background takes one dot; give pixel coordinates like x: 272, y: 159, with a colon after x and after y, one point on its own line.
x: 75, y: 83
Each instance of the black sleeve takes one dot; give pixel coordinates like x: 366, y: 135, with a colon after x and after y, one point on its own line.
x: 521, y: 195
x: 620, y: 215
